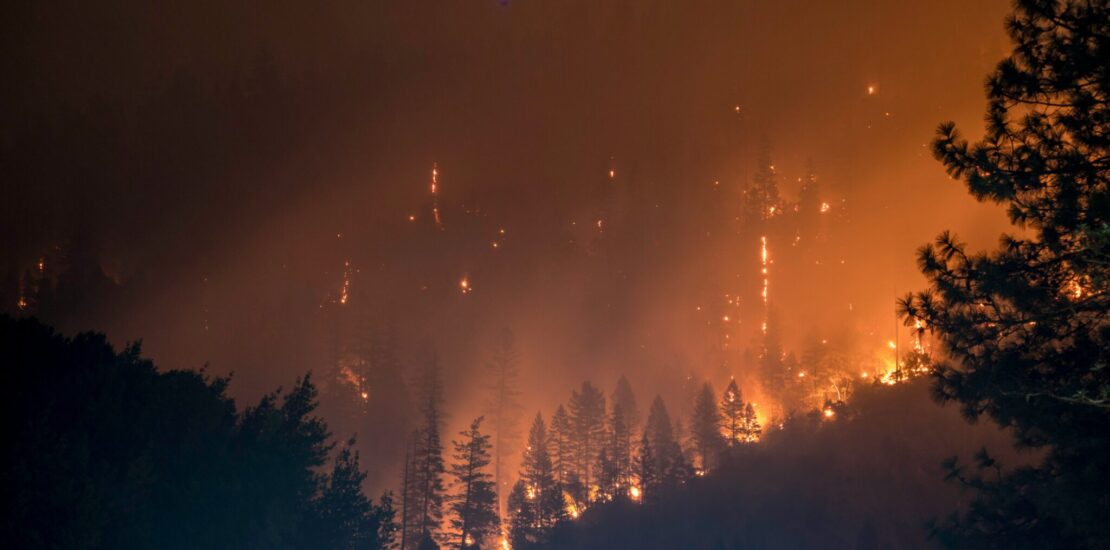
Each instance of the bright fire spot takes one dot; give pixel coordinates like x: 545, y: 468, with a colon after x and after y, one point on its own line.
x: 802, y: 374
x: 890, y: 344
x: 863, y: 375
x: 22, y: 303
x: 825, y: 207
x: 412, y: 218
x: 345, y: 290
x: 612, y: 174
x: 725, y: 318
x: 365, y: 395
x: 505, y: 544
x: 829, y: 413
x: 634, y: 491
x: 871, y: 89
x: 464, y: 285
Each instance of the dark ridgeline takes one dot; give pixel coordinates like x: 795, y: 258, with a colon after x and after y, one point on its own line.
x: 105, y: 451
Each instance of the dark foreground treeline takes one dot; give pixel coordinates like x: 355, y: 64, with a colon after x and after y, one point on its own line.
x: 104, y: 451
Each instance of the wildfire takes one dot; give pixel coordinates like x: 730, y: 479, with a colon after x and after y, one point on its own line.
x: 825, y: 207
x: 464, y: 285
x: 828, y: 412
x: 345, y: 290
x: 435, y: 195
x: 763, y: 255
x: 634, y: 492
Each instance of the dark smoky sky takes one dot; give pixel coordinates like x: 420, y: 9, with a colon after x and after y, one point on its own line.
x: 223, y: 160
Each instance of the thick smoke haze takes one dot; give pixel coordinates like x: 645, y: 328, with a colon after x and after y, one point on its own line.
x: 248, y: 184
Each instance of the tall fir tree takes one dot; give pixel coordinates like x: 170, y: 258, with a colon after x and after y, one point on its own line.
x: 750, y: 429
x: 620, y: 449
x: 705, y: 427
x: 562, y: 445
x: 667, y: 467
x: 474, y: 504
x: 543, y: 495
x: 344, y: 517
x: 503, y: 406
x: 626, y: 399
x: 732, y: 414
x: 587, y: 415
x: 523, y: 533
x: 428, y: 468
x: 1025, y: 326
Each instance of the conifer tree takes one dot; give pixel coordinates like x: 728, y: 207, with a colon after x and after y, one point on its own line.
x: 562, y: 446
x: 427, y: 462
x: 666, y: 466
x: 705, y: 427
x: 732, y: 414
x: 523, y: 532
x: 750, y: 429
x: 587, y: 415
x: 503, y: 405
x: 344, y: 517
x: 474, y: 503
x: 620, y: 449
x: 1026, y: 326
x: 543, y: 503
x: 626, y: 399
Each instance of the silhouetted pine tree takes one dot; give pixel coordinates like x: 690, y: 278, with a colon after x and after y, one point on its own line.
x: 667, y: 467
x: 503, y: 406
x: 732, y: 414
x: 426, y: 516
x: 474, y: 504
x: 1026, y: 326
x: 344, y: 517
x: 620, y: 449
x: 750, y: 429
x: 562, y: 446
x: 705, y: 427
x: 587, y: 415
x: 626, y: 399
x: 543, y: 495
x: 523, y: 533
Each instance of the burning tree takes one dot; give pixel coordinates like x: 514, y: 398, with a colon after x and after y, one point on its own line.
x: 1026, y: 327
x: 536, y: 503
